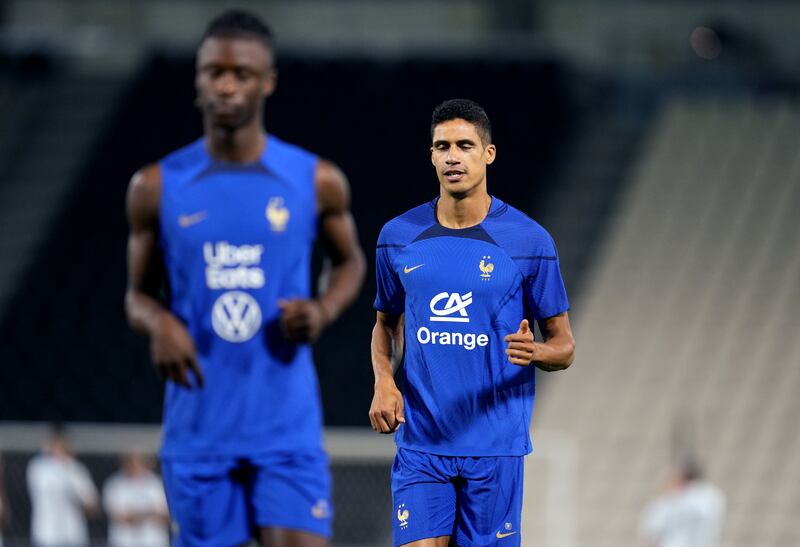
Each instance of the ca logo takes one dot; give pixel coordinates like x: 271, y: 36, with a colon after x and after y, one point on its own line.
x: 236, y: 316
x: 455, y: 303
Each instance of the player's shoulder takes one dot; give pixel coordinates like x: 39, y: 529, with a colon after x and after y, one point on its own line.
x: 288, y: 149
x: 508, y: 214
x: 114, y: 481
x: 513, y: 228
x: 285, y: 158
x: 185, y: 157
x: 37, y: 462
x: 402, y: 229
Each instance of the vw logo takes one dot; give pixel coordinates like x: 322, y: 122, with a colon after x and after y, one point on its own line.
x: 236, y: 316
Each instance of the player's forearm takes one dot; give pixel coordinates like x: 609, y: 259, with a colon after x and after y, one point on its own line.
x: 343, y: 286
x: 384, y: 348
x: 555, y: 354
x: 143, y: 311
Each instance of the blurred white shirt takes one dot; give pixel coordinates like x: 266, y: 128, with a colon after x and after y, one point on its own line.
x: 59, y: 488
x: 691, y: 517
x: 142, y: 496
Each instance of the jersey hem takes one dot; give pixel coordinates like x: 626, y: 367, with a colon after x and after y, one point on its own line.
x: 457, y: 453
x: 428, y: 534
x: 199, y: 454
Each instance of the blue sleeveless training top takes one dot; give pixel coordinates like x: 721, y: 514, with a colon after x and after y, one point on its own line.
x: 235, y: 239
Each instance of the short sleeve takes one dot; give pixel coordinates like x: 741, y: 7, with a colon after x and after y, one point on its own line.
x: 545, y: 295
x: 390, y: 297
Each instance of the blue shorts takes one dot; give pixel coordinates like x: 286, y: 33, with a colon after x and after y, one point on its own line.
x: 221, y: 501
x: 476, y: 501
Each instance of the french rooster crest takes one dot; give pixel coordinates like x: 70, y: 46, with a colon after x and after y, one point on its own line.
x: 277, y: 214
x: 486, y: 268
x: 402, y: 516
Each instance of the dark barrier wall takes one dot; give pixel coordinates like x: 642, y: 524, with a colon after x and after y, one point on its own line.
x: 65, y: 349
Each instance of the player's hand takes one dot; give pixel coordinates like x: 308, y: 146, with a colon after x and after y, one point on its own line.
x: 386, y: 412
x: 173, y: 352
x: 302, y: 320
x: 521, y: 347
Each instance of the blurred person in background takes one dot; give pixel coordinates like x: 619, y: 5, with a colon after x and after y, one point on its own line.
x: 231, y: 220
x: 688, y: 513
x: 62, y: 494
x: 462, y: 276
x: 133, y: 499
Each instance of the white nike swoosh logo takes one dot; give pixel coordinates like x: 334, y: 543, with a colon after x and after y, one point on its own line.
x: 498, y: 535
x: 407, y: 269
x: 184, y: 221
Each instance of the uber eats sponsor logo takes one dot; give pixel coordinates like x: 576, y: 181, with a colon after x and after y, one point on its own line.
x: 236, y: 315
x: 233, y: 266
x: 451, y: 308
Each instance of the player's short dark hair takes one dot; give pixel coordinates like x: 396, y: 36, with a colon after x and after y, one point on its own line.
x: 239, y: 24
x: 464, y: 109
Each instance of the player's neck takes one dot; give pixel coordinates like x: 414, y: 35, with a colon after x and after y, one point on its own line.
x: 463, y: 212
x: 241, y: 145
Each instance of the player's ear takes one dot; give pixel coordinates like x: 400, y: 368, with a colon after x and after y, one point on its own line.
x: 491, y: 153
x: 432, y: 162
x: 270, y: 82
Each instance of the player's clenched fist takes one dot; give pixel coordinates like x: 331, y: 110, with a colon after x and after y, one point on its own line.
x: 173, y: 351
x: 302, y: 320
x: 521, y: 347
x: 386, y: 411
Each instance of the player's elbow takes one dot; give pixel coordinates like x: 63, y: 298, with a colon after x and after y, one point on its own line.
x: 129, y: 305
x: 359, y: 265
x: 133, y: 310
x: 570, y: 353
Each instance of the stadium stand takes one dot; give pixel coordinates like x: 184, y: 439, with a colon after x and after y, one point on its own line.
x: 688, y: 333
x: 44, y: 141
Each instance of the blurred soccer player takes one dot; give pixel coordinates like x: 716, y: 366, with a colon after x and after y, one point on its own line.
x: 134, y: 501
x: 461, y: 278
x: 231, y: 219
x: 689, y: 512
x: 62, y: 495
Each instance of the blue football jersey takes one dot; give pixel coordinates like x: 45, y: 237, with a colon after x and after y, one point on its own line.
x: 235, y: 239
x: 462, y: 291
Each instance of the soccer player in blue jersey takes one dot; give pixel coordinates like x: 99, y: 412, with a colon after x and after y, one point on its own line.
x: 230, y: 219
x: 459, y: 281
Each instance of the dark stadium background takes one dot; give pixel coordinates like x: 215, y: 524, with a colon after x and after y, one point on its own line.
x: 372, y: 118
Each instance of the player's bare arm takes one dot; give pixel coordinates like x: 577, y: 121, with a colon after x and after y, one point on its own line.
x: 171, y: 347
x: 555, y: 353
x: 304, y: 320
x: 386, y: 411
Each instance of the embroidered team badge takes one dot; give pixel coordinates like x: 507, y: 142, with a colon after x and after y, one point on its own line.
x: 321, y: 509
x: 402, y: 516
x: 486, y: 268
x: 277, y: 214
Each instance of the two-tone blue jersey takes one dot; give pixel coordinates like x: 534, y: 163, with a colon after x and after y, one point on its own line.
x: 462, y: 291
x: 235, y: 239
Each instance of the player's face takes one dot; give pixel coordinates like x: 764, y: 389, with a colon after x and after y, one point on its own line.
x: 460, y: 157
x: 234, y: 76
